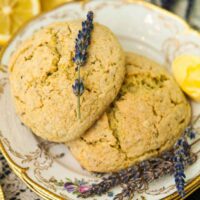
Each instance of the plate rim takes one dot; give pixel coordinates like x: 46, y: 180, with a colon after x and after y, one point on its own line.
x: 22, y: 172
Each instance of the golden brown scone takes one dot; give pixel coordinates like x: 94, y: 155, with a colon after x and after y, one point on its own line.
x: 42, y: 74
x: 148, y: 115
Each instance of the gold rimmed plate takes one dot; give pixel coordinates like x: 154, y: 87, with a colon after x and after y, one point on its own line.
x: 140, y: 27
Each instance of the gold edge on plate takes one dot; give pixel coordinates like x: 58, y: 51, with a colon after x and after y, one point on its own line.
x: 21, y: 172
x: 189, y: 189
x: 1, y: 194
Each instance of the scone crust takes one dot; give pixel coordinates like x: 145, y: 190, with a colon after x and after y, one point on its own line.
x: 42, y: 74
x: 147, y: 117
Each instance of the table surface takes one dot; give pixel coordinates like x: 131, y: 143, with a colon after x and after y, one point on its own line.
x: 15, y: 189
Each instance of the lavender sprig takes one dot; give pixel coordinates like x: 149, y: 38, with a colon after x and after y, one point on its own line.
x: 112, y: 180
x: 180, y: 152
x: 81, y: 45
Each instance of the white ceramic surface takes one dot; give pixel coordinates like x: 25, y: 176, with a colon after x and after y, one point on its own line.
x: 140, y: 28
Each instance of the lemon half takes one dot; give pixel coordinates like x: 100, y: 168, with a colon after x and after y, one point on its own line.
x: 13, y: 13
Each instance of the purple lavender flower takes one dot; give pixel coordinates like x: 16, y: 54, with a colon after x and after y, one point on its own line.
x: 70, y: 187
x: 78, y: 87
x: 81, y: 45
x: 83, y: 41
x: 190, y: 132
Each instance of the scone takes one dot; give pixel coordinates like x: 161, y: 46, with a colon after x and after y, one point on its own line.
x: 148, y: 115
x: 42, y: 74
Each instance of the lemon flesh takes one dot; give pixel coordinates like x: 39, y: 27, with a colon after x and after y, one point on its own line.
x: 13, y: 13
x: 186, y: 70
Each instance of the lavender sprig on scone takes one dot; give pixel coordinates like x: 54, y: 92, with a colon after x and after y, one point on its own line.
x: 81, y: 45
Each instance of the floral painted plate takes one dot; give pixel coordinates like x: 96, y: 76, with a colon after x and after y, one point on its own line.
x: 47, y: 167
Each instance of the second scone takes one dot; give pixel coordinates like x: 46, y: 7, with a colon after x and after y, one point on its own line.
x: 42, y: 74
x: 147, y: 117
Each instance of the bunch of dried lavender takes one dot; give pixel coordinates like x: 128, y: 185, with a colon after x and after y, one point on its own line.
x: 81, y: 45
x: 162, y: 167
x: 137, y: 177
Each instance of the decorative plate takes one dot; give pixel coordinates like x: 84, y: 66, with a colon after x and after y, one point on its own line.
x: 141, y: 27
